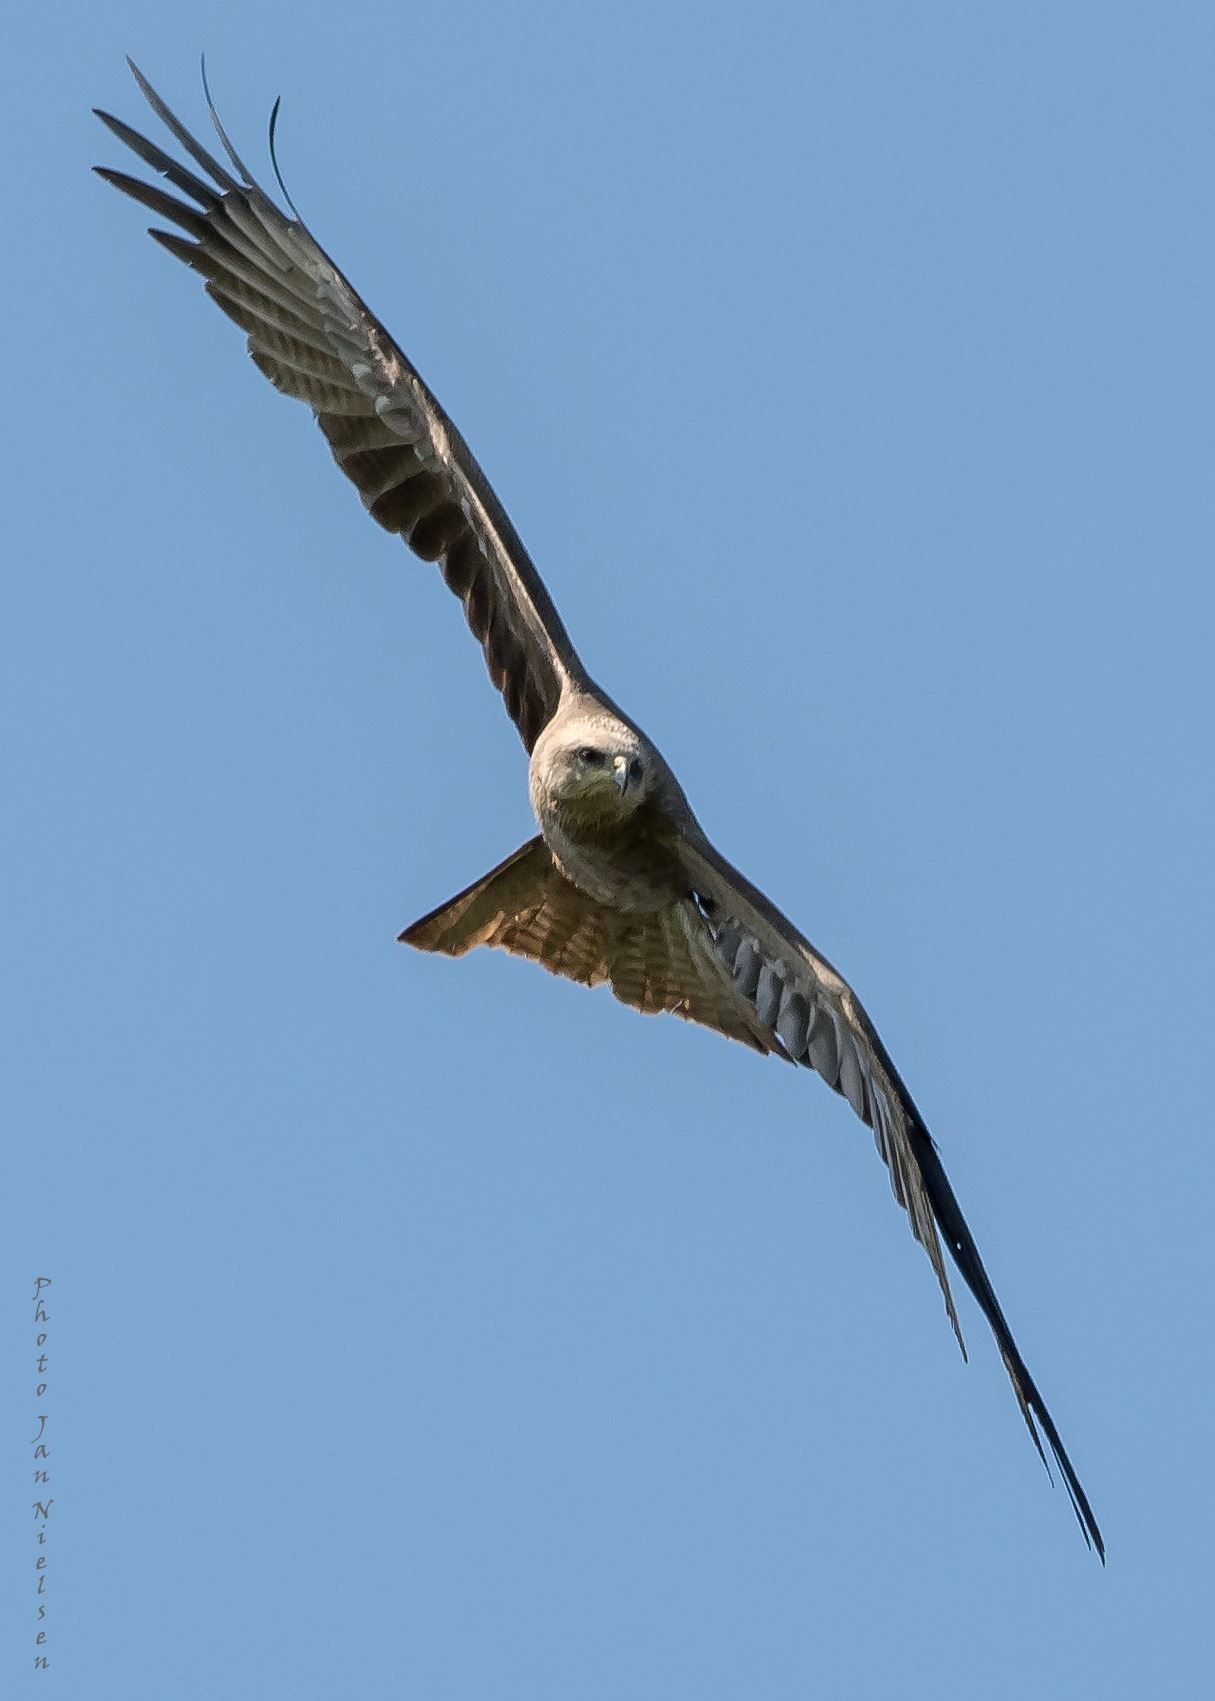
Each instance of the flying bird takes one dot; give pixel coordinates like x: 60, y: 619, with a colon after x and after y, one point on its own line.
x: 620, y: 885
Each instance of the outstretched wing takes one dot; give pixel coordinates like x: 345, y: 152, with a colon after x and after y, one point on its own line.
x: 728, y: 959
x: 665, y: 960
x: 315, y: 339
x: 821, y: 1023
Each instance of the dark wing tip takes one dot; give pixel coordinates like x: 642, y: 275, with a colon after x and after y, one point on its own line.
x: 965, y: 1254
x: 177, y: 129
x: 231, y: 152
x: 1085, y: 1516
x: 1040, y: 1424
x: 278, y: 176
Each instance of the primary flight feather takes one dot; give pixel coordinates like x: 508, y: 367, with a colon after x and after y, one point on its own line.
x: 621, y: 885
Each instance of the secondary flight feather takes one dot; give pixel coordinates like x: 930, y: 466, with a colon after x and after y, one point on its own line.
x: 621, y: 885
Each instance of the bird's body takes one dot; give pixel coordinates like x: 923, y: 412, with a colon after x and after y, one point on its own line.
x: 621, y: 885
x: 616, y: 842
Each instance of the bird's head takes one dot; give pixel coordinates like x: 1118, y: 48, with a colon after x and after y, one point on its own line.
x: 597, y: 768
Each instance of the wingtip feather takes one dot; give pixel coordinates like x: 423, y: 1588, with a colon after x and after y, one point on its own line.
x: 231, y: 152
x: 177, y: 129
x: 278, y: 176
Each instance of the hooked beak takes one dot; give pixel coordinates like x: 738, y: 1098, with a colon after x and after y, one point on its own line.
x: 620, y: 773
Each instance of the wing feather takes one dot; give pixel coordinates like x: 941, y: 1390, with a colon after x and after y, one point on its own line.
x: 721, y: 955
x: 764, y: 950
x: 664, y: 961
x: 316, y: 340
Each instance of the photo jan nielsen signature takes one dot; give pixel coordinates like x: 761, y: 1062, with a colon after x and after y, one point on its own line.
x: 42, y: 1473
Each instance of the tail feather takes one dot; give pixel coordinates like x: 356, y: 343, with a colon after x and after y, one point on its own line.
x: 659, y: 960
x: 473, y: 916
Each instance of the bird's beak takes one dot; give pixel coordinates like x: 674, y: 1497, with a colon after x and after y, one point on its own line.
x: 620, y: 773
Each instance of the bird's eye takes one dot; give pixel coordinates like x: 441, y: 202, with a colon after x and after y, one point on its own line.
x: 592, y: 758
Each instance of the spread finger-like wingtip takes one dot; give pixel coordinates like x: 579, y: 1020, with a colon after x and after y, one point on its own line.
x: 231, y: 152
x: 273, y: 139
x: 177, y: 129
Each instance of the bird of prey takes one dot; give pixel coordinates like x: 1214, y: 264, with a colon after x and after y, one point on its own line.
x: 620, y: 885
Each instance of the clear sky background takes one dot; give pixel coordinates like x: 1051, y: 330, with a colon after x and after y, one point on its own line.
x: 443, y: 1331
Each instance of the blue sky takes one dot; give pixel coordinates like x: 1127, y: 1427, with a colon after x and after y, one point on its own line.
x: 439, y: 1330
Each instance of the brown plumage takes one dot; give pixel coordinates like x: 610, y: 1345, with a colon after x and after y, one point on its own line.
x: 621, y: 886
x: 660, y: 961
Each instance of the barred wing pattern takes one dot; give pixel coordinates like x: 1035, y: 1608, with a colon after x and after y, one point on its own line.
x: 719, y: 954
x: 727, y: 959
x: 316, y: 340
x: 822, y: 1024
x: 661, y: 961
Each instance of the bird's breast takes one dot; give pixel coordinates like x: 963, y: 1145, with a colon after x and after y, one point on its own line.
x: 626, y: 865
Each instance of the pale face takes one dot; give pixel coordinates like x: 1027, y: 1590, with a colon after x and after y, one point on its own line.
x: 599, y: 766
